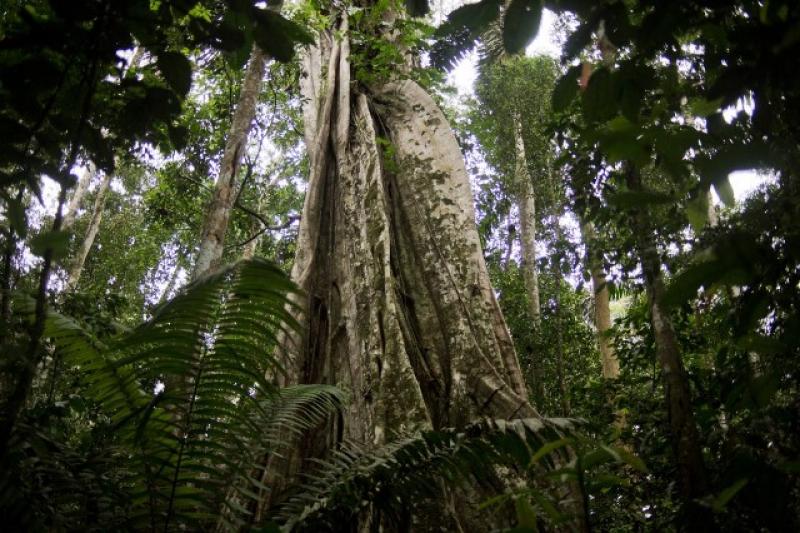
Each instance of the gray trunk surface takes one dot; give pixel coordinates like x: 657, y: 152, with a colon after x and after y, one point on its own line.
x: 398, y: 307
x: 218, y: 213
x: 76, y: 269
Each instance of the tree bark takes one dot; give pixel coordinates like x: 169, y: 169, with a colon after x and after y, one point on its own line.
x: 692, y: 475
x: 398, y: 305
x: 76, y: 269
x: 602, y: 308
x: 560, y: 354
x: 77, y: 197
x: 217, y: 216
x: 526, y: 205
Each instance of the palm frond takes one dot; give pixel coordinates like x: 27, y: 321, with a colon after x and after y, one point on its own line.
x: 410, y: 468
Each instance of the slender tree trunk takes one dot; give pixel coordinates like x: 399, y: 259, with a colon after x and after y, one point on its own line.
x: 692, y: 475
x: 217, y: 216
x: 602, y: 308
x: 77, y: 197
x: 526, y: 205
x: 560, y: 355
x: 76, y: 269
x: 527, y: 226
x: 9, y: 251
x: 510, y: 238
x: 562, y: 384
x: 24, y: 376
x: 258, y: 229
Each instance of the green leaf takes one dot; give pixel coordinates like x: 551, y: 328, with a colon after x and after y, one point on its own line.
x: 685, y: 285
x: 635, y: 199
x: 725, y: 191
x: 566, y: 88
x: 277, y: 35
x: 548, y: 448
x: 521, y: 24
x: 178, y: 136
x: 791, y: 467
x: 630, y: 459
x: 526, y: 515
x: 697, y: 212
x: 177, y: 71
x: 599, y: 98
x: 15, y: 212
x: 620, y: 141
x: 761, y: 344
x: 596, y: 457
x: 763, y: 388
x: 461, y: 31
x: 700, y: 107
x: 547, y: 506
x: 57, y: 241
x: 721, y: 500
x: 417, y: 8
x: 730, y: 158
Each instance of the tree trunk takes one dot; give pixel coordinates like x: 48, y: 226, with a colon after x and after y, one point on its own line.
x: 510, y: 238
x: 215, y: 224
x: 76, y: 269
x: 527, y: 225
x: 398, y: 305
x: 562, y: 384
x: 692, y: 474
x: 602, y: 308
x: 560, y: 354
x: 77, y: 197
x: 526, y: 204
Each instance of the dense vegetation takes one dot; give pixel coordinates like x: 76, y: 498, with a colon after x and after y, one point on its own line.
x: 154, y: 167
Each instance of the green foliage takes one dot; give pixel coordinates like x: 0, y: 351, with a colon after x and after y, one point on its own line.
x: 521, y: 24
x: 189, y: 401
x: 170, y: 424
x: 461, y: 31
x: 685, y: 96
x: 517, y: 92
x: 399, y: 477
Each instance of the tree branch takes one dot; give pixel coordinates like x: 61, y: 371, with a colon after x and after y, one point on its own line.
x: 266, y: 227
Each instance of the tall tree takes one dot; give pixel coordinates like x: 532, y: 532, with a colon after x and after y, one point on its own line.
x: 602, y: 301
x: 77, y: 196
x: 398, y: 305
x: 511, y: 122
x: 218, y: 213
x: 76, y: 267
x: 686, y: 441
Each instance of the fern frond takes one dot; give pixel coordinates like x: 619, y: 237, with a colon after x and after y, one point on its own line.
x: 189, y: 393
x: 283, y: 418
x: 409, y: 469
x: 462, y: 31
